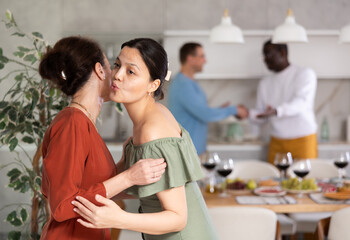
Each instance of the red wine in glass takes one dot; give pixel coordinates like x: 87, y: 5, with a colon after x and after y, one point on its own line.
x: 224, y: 172
x: 282, y: 166
x: 301, y: 173
x: 282, y: 162
x: 209, y: 166
x: 340, y: 164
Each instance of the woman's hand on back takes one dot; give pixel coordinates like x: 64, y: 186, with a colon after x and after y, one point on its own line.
x: 110, y: 215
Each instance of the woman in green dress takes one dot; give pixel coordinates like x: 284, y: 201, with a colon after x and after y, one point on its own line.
x: 172, y: 208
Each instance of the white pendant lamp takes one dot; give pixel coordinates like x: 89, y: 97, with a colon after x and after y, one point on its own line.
x: 344, y: 36
x: 289, y: 31
x: 226, y: 32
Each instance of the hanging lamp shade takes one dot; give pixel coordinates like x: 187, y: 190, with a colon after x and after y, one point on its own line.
x: 344, y: 36
x: 289, y: 31
x: 226, y: 32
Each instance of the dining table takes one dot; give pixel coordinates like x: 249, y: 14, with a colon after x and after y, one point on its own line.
x: 301, y: 204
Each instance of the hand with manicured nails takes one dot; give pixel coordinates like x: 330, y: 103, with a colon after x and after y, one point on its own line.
x: 110, y: 215
x: 146, y: 171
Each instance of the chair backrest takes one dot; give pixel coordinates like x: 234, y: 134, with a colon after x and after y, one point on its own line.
x: 244, y: 223
x: 254, y: 169
x: 339, y: 225
x: 320, y: 168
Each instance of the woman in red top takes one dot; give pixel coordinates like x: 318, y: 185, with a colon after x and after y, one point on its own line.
x: 76, y: 160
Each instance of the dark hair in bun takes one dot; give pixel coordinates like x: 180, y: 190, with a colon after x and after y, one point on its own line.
x: 70, y: 62
x: 155, y: 58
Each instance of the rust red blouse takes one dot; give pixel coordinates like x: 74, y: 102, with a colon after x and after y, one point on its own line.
x: 76, y: 162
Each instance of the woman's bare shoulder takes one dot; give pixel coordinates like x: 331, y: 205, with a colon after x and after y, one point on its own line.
x: 158, y: 125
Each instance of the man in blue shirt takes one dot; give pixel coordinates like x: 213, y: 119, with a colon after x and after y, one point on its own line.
x: 188, y: 102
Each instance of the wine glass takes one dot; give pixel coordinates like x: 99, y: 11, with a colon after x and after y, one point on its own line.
x: 282, y: 162
x: 225, y: 167
x: 209, y: 163
x: 341, y: 162
x: 301, y: 169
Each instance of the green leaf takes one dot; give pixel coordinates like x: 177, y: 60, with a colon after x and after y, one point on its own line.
x: 8, y: 15
x: 11, y: 216
x: 0, y: 51
x: 4, y: 59
x: 18, y: 185
x: 38, y: 35
x: 2, y: 65
x: 18, y: 34
x: 2, y: 125
x: 18, y: 54
x: 21, y: 118
x: 29, y: 128
x: 14, y: 235
x: 23, y: 49
x: 13, y: 115
x: 3, y: 104
x: 28, y: 95
x: 29, y: 58
x: 19, y: 77
x: 27, y: 139
x: 119, y: 108
x: 52, y: 92
x: 3, y: 114
x: 11, y: 126
x: 16, y: 222
x: 25, y: 188
x: 14, y: 172
x: 13, y: 144
x: 38, y: 181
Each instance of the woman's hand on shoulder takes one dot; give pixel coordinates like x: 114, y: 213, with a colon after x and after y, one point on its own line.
x: 146, y: 171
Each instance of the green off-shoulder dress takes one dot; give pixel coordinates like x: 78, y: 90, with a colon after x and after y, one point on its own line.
x: 183, y: 169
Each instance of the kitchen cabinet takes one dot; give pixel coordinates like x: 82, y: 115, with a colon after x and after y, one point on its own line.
x: 245, y: 61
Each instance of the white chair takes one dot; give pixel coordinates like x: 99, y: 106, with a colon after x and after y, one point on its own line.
x: 244, y: 223
x: 339, y: 226
x: 256, y: 169
x: 320, y: 169
x: 335, y: 227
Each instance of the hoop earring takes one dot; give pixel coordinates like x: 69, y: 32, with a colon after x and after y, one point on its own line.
x: 149, y: 93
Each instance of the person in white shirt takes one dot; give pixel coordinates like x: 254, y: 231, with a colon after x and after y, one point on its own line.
x: 285, y: 100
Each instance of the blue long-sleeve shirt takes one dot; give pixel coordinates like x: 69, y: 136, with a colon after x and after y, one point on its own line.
x: 188, y: 104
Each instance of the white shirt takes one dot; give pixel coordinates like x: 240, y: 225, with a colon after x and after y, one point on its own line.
x: 292, y: 92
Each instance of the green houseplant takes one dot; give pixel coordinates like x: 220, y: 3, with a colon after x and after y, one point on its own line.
x: 26, y: 110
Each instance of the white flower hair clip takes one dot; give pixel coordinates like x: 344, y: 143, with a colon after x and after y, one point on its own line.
x: 167, y: 77
x: 63, y: 75
x: 168, y: 74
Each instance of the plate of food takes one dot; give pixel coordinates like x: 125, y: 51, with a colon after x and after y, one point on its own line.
x: 304, y: 191
x: 292, y: 185
x: 269, y: 191
x: 342, y: 193
x: 239, y: 186
x: 337, y: 195
x: 268, y: 183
